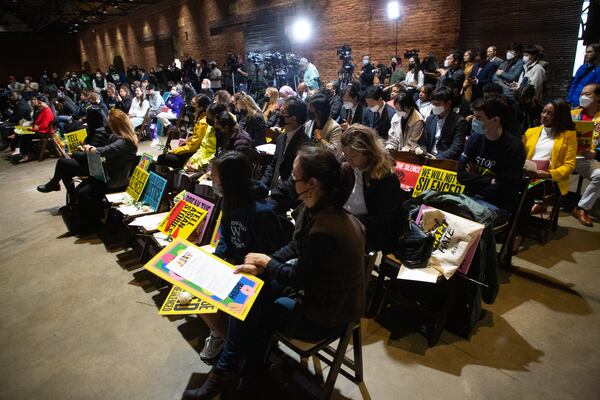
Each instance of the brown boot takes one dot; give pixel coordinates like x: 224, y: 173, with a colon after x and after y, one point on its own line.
x: 582, y: 216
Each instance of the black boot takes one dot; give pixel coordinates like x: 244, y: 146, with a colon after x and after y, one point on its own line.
x: 51, y: 186
x: 218, y: 382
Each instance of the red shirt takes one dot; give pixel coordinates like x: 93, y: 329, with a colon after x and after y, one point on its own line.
x: 585, y: 117
x: 44, y: 121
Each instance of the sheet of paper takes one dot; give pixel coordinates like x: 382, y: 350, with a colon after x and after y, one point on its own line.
x: 268, y: 148
x: 208, y: 248
x: 118, y: 198
x: 149, y: 222
x: 162, y: 239
x: 530, y: 166
x: 132, y: 211
x: 428, y: 274
x: 205, y: 271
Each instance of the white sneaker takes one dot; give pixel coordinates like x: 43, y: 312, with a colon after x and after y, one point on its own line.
x: 212, y: 347
x: 155, y: 142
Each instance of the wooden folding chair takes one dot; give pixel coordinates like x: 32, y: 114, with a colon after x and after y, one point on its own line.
x: 450, y: 165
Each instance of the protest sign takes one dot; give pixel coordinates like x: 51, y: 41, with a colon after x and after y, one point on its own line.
x: 585, y: 136
x: 203, y: 204
x: 182, y: 220
x: 137, y: 183
x: 437, y: 179
x: 145, y: 161
x: 407, y: 174
x: 75, y: 139
x: 172, y: 305
x: 153, y: 192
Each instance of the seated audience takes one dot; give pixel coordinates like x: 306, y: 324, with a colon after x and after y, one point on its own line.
x: 394, y: 90
x: 328, y: 245
x: 378, y: 115
x: 587, y: 73
x: 589, y: 166
x: 415, y: 79
x: 155, y: 101
x: 533, y: 72
x: 321, y: 128
x: 21, y: 110
x: 271, y: 107
x: 230, y: 136
x: 286, y: 91
x: 445, y: 130
x: 124, y: 99
x: 99, y: 82
x: 139, y: 108
x: 334, y: 100
x: 555, y: 141
x: 174, y: 106
x: 251, y: 118
x: 376, y: 197
x: 42, y: 128
x: 111, y: 99
x: 303, y: 91
x: 205, y: 88
x: 291, y: 118
x: 352, y: 112
x: 424, y: 101
x: 248, y: 225
x: 199, y: 162
x: 453, y: 69
x: 491, y: 53
x: 510, y: 70
x: 407, y: 126
x: 178, y: 157
x: 492, y: 163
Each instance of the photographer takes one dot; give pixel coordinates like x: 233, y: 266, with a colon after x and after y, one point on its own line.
x: 311, y: 74
x: 367, y: 75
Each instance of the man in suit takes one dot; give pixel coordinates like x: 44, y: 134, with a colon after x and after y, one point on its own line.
x: 445, y: 130
x: 379, y: 114
x: 291, y: 117
x: 352, y: 110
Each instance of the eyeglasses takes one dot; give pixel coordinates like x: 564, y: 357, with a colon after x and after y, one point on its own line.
x: 297, y: 180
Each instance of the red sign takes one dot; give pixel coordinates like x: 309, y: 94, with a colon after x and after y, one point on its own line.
x: 407, y: 174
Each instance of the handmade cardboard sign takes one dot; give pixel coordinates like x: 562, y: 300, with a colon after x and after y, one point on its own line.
x: 437, y: 179
x: 137, y: 183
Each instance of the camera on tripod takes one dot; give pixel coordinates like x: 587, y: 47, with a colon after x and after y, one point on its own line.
x: 344, y: 52
x: 411, y: 53
x: 383, y: 71
x: 254, y: 58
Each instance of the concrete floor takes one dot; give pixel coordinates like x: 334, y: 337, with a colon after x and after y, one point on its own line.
x: 76, y: 325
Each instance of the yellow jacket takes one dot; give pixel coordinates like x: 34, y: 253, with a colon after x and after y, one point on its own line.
x: 193, y: 143
x: 206, y: 152
x: 562, y: 159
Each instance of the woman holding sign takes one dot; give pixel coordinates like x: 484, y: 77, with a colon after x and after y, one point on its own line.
x: 119, y: 155
x: 323, y: 264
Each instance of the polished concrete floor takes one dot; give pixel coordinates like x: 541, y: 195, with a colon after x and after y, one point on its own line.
x: 77, y: 325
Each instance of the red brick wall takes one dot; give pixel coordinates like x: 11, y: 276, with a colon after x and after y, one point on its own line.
x: 429, y: 25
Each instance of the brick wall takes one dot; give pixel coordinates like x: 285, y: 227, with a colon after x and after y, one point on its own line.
x: 431, y: 26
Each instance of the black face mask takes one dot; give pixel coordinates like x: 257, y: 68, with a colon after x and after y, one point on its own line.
x: 393, y: 65
x: 210, y: 122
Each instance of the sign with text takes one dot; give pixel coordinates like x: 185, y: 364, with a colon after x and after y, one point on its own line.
x: 153, y: 192
x: 145, y: 161
x: 137, y: 183
x: 407, y: 174
x: 437, y: 179
x: 182, y: 220
x: 585, y: 136
x: 172, y: 305
x: 75, y: 139
x: 203, y: 204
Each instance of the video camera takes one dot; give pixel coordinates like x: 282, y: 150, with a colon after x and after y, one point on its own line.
x: 344, y: 52
x: 411, y: 53
x: 383, y: 71
x: 254, y: 58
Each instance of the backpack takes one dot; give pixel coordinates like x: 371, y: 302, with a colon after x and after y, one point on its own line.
x: 82, y: 211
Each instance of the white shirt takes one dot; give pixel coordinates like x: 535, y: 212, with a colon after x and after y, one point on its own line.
x: 424, y: 108
x: 419, y: 80
x: 543, y: 147
x: 215, y: 78
x: 438, y: 132
x: 355, y: 204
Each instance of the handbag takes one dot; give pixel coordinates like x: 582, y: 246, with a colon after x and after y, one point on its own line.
x: 414, y: 247
x: 78, y: 216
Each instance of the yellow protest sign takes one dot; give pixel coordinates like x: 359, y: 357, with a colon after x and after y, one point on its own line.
x: 585, y: 136
x: 172, y: 305
x: 75, y: 139
x: 137, y: 183
x: 437, y: 179
x: 23, y: 130
x: 182, y: 220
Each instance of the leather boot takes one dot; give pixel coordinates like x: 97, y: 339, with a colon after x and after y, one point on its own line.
x: 218, y: 382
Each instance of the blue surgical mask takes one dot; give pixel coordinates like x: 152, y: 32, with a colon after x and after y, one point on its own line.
x: 477, y: 126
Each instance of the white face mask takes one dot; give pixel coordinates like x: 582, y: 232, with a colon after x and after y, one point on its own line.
x: 348, y: 105
x: 437, y: 110
x: 510, y: 56
x: 446, y: 63
x: 365, y: 62
x: 526, y: 59
x: 401, y: 114
x: 374, y: 108
x: 585, y: 101
x: 173, y: 92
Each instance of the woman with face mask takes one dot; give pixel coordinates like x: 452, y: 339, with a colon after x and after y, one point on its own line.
x: 248, y: 224
x: 271, y: 106
x: 407, y: 125
x: 415, y: 79
x: 533, y: 72
x: 174, y: 106
x: 99, y: 82
x: 320, y: 127
x: 199, y: 162
x: 251, y: 118
x: 328, y: 246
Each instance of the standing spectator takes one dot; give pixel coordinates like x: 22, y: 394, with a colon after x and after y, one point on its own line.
x: 367, y: 75
x: 311, y: 74
x: 533, y: 73
x: 588, y: 73
x: 589, y: 166
x: 215, y: 76
x: 482, y: 73
x: 378, y: 115
x: 468, y: 61
x: 415, y: 79
x: 398, y: 74
x: 492, y: 56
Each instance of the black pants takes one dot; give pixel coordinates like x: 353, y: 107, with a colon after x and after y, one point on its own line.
x: 66, y: 169
x: 176, y: 161
x: 25, y: 142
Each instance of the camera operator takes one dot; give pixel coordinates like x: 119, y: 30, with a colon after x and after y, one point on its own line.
x: 366, y: 74
x: 311, y: 74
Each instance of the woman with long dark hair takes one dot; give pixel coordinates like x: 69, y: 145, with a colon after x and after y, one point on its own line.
x: 327, y: 275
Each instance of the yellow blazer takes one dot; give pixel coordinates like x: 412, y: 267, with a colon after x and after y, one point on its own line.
x: 562, y: 159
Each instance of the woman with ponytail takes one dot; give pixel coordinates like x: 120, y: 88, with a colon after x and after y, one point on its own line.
x: 323, y: 266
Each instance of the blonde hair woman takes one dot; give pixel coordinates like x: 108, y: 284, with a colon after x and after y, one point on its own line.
x: 376, y: 199
x: 271, y: 106
x: 251, y: 118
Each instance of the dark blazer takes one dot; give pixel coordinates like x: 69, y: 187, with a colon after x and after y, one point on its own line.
x: 383, y: 124
x: 336, y: 104
x: 357, y: 118
x: 386, y: 218
x: 484, y: 77
x: 452, y: 139
x: 255, y: 127
x: 120, y: 154
x: 280, y: 168
x: 21, y: 110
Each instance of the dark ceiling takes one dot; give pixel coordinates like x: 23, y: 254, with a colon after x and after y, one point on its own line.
x: 61, y: 15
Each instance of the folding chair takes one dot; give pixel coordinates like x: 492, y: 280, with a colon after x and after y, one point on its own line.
x: 450, y: 165
x: 408, y: 157
x: 506, y: 232
x: 143, y: 133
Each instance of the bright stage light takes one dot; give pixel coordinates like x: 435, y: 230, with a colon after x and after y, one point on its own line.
x: 393, y: 10
x: 301, y: 30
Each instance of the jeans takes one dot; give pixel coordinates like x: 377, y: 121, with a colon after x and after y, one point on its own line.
x: 500, y: 215
x: 271, y: 312
x: 589, y: 169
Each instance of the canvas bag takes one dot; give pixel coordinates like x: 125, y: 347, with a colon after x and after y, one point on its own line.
x: 455, y: 240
